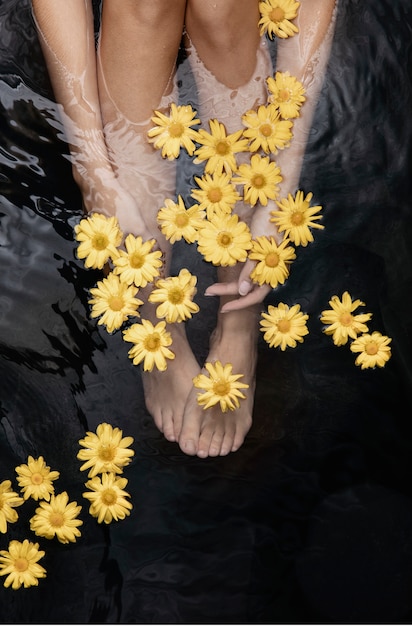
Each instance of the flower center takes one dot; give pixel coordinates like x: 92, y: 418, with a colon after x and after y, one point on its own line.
x: 36, y: 478
x: 258, y: 181
x: 296, y: 218
x: 175, y: 295
x: 100, y: 241
x: 152, y: 342
x: 272, y: 259
x: 284, y: 326
x: 106, y: 452
x: 21, y: 564
x: 136, y: 260
x: 56, y: 519
x: 181, y: 220
x: 215, y: 195
x: 283, y: 95
x: 277, y: 14
x: 371, y: 348
x: 346, y: 319
x: 266, y: 130
x: 116, y: 303
x: 224, y: 239
x: 222, y: 148
x: 109, y: 497
x: 176, y: 129
x: 221, y: 387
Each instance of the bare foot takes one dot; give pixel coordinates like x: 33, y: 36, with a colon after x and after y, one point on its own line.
x: 211, y: 432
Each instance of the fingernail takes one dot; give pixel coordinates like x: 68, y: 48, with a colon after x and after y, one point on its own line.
x: 244, y: 287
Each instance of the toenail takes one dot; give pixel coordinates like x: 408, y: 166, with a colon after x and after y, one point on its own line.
x: 189, y: 446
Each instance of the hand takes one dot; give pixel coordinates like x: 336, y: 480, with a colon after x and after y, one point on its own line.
x: 249, y: 293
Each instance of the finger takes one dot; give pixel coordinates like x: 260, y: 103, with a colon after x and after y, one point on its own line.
x: 222, y: 289
x: 252, y: 298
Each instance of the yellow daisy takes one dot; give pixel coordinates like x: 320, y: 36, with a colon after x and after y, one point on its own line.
x: 259, y: 179
x: 286, y: 93
x: 176, y: 222
x: 106, y: 450
x: 224, y: 240
x: 273, y: 261
x: 36, y: 479
x: 296, y: 217
x: 113, y: 301
x: 150, y: 345
x: 283, y: 327
x: 216, y: 193
x: 219, y: 149
x: 342, y: 324
x: 57, y: 518
x: 138, y: 264
x: 276, y: 16
x: 219, y: 387
x: 373, y: 350
x: 108, y: 498
x: 8, y: 500
x: 20, y: 564
x: 99, y: 237
x: 265, y: 130
x: 175, y: 297
x: 173, y: 132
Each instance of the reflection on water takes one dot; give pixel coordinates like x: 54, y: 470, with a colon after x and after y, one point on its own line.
x: 254, y: 537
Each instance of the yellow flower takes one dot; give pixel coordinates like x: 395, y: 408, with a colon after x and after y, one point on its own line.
x: 177, y: 222
x: 174, y: 132
x: 283, y: 326
x: 275, y: 18
x: 99, y: 237
x: 150, y: 345
x: 220, y: 387
x: 8, y: 500
x: 216, y: 193
x: 138, y: 264
x: 296, y: 217
x: 286, y: 93
x: 342, y: 324
x: 113, y: 301
x: 35, y: 479
x: 108, y: 498
x: 219, y: 149
x: 224, y: 240
x: 57, y: 518
x: 265, y: 129
x: 106, y: 450
x: 373, y: 350
x: 273, y: 261
x: 259, y: 180
x: 20, y: 564
x: 175, y: 295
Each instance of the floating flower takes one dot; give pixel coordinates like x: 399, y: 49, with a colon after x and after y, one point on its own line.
x: 219, y: 149
x: 150, y: 345
x: 113, y: 301
x: 273, y: 261
x: 9, y: 499
x: 220, y: 387
x: 342, y: 324
x: 177, y: 222
x: 173, y: 132
x: 20, y: 564
x: 138, y: 264
x: 216, y: 193
x: 276, y: 16
x: 99, y: 237
x: 36, y: 479
x: 283, y: 327
x: 373, y: 350
x: 286, y: 93
x: 259, y: 179
x: 108, y: 498
x: 224, y: 240
x: 265, y: 129
x: 175, y: 297
x: 296, y: 217
x: 106, y: 450
x: 57, y: 518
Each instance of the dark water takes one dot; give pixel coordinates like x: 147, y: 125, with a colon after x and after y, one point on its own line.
x: 311, y: 521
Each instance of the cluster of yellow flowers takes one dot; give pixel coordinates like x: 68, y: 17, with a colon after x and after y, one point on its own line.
x: 105, y: 452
